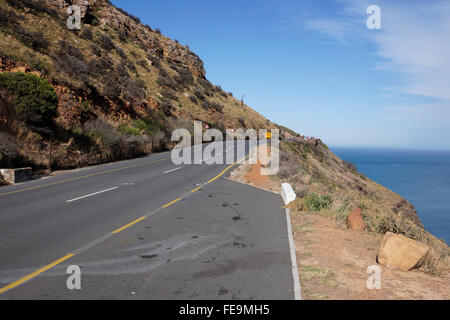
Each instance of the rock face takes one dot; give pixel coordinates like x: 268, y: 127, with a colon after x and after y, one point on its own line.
x: 401, y: 252
x: 355, y: 220
x: 156, y: 44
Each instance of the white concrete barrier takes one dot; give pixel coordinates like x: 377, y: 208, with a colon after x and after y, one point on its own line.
x: 287, y: 193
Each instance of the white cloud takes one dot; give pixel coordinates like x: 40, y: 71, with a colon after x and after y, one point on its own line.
x: 414, y: 41
x: 339, y: 30
x: 423, y: 116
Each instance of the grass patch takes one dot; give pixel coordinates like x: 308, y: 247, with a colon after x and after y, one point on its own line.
x: 348, y: 265
x: 316, y: 202
x: 293, y: 147
x: 323, y: 275
x: 435, y: 263
x: 394, y: 225
x: 149, y: 126
x: 316, y: 296
x: 312, y: 272
x: 303, y: 230
x: 342, y: 213
x: 129, y: 130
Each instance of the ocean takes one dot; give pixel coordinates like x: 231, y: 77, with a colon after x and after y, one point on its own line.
x: 421, y: 177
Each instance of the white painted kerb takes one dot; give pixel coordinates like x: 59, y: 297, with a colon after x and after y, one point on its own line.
x: 289, y: 195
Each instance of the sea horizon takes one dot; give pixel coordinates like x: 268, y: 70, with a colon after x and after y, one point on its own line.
x: 420, y: 176
x: 404, y: 149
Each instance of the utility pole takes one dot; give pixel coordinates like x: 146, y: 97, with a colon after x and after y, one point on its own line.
x: 242, y: 100
x: 50, y: 160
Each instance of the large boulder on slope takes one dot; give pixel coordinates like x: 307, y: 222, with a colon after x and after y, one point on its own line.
x: 402, y: 253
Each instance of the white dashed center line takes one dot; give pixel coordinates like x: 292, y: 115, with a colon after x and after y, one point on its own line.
x: 92, y: 194
x: 173, y: 170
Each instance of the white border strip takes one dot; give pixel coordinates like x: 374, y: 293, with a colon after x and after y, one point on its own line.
x: 297, y: 287
x: 288, y: 195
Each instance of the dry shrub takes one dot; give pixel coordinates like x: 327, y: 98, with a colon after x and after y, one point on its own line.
x: 437, y: 261
x: 114, y: 145
x: 2, y: 181
x: 100, y: 128
x: 105, y: 42
x: 298, y: 205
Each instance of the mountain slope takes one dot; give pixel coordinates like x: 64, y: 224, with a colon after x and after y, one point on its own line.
x: 122, y: 86
x: 333, y: 188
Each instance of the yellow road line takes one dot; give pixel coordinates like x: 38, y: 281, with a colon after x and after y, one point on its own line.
x: 227, y: 169
x: 196, y: 189
x: 36, y: 273
x: 171, y: 203
x: 129, y: 225
x: 83, y: 177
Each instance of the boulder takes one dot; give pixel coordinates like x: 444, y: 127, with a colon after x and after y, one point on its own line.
x: 16, y: 175
x: 355, y: 220
x: 402, y: 253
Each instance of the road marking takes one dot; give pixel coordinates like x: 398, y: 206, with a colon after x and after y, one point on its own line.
x: 129, y: 225
x: 227, y: 169
x: 36, y: 273
x: 83, y: 177
x: 92, y: 194
x: 171, y: 203
x: 196, y: 189
x: 297, y: 287
x: 173, y: 170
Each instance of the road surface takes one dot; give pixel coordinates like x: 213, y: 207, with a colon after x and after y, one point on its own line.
x: 144, y: 229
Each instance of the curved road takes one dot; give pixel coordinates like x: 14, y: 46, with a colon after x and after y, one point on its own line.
x: 144, y: 229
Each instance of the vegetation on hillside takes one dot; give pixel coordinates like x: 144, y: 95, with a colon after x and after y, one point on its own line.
x: 34, y: 99
x: 121, y: 87
x: 333, y: 188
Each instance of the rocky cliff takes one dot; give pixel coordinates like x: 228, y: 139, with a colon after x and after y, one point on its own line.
x: 122, y: 86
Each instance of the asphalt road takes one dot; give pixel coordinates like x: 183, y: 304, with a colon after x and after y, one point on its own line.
x: 144, y: 229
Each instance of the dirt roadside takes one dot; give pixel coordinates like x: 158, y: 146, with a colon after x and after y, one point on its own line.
x: 333, y: 261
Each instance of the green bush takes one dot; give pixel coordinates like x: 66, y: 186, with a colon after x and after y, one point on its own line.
x: 86, y: 107
x: 315, y: 202
x: 150, y: 126
x: 129, y: 131
x: 34, y: 98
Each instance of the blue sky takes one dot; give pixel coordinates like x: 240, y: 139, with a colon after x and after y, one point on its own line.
x: 315, y: 67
